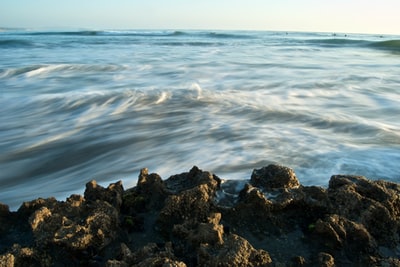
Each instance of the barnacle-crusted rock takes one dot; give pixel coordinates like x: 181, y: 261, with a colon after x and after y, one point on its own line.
x: 375, y: 204
x: 112, y: 194
x: 7, y: 260
x: 339, y: 233
x: 193, y: 198
x: 185, y: 220
x: 235, y: 251
x: 274, y: 177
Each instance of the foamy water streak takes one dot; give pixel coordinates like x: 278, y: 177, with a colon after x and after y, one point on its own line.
x: 101, y: 105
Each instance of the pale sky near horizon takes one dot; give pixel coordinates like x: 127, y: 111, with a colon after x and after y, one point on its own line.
x: 349, y: 16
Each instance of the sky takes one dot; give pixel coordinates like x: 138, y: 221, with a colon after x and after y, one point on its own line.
x: 347, y: 16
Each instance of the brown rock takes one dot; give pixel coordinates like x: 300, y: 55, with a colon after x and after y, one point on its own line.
x: 235, y: 251
x: 75, y: 224
x: 274, y: 177
x: 179, y: 222
x: 325, y: 260
x: 4, y: 210
x: 97, y: 227
x: 192, y: 204
x: 194, y: 234
x: 116, y: 263
x: 24, y: 256
x: 338, y: 232
x: 195, y: 177
x: 112, y: 194
x: 150, y: 192
x: 375, y: 204
x: 7, y: 260
x: 27, y: 208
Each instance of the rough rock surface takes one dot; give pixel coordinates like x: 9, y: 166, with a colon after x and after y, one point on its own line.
x: 196, y: 219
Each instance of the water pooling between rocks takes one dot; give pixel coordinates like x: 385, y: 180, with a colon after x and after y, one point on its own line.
x: 197, y: 219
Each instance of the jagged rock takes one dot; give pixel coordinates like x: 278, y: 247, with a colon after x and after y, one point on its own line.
x: 112, y: 194
x: 375, y: 204
x: 160, y: 261
x: 274, y: 177
x: 152, y: 188
x: 180, y: 182
x: 336, y: 232
x: 24, y: 256
x: 7, y: 260
x: 194, y: 234
x: 325, y: 260
x: 193, y: 201
x: 235, y: 251
x: 116, y: 263
x: 271, y: 221
x: 4, y: 210
x: 4, y: 218
x: 27, y: 208
x: 154, y: 255
x: 93, y: 225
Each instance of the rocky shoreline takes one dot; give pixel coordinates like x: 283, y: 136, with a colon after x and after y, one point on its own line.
x: 197, y: 219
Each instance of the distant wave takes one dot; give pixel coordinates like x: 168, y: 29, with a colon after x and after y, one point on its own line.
x: 337, y: 42
x: 102, y: 33
x: 77, y: 33
x: 228, y: 35
x: 391, y: 45
x: 13, y: 43
x: 222, y: 35
x: 191, y: 43
x: 36, y: 70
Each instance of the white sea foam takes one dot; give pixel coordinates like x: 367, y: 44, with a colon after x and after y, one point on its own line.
x: 43, y: 70
x: 163, y: 97
x: 198, y: 89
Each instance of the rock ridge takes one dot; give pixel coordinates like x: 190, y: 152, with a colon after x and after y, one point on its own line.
x: 197, y: 219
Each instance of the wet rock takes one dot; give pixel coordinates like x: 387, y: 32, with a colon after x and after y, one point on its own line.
x: 193, y: 200
x: 274, y: 177
x: 192, y: 219
x: 375, y: 204
x: 195, y: 177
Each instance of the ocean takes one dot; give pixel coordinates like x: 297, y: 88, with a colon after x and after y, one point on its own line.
x: 102, y: 104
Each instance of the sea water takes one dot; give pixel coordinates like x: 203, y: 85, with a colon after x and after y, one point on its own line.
x: 82, y: 105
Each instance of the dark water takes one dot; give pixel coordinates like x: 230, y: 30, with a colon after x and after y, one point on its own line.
x: 101, y: 105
